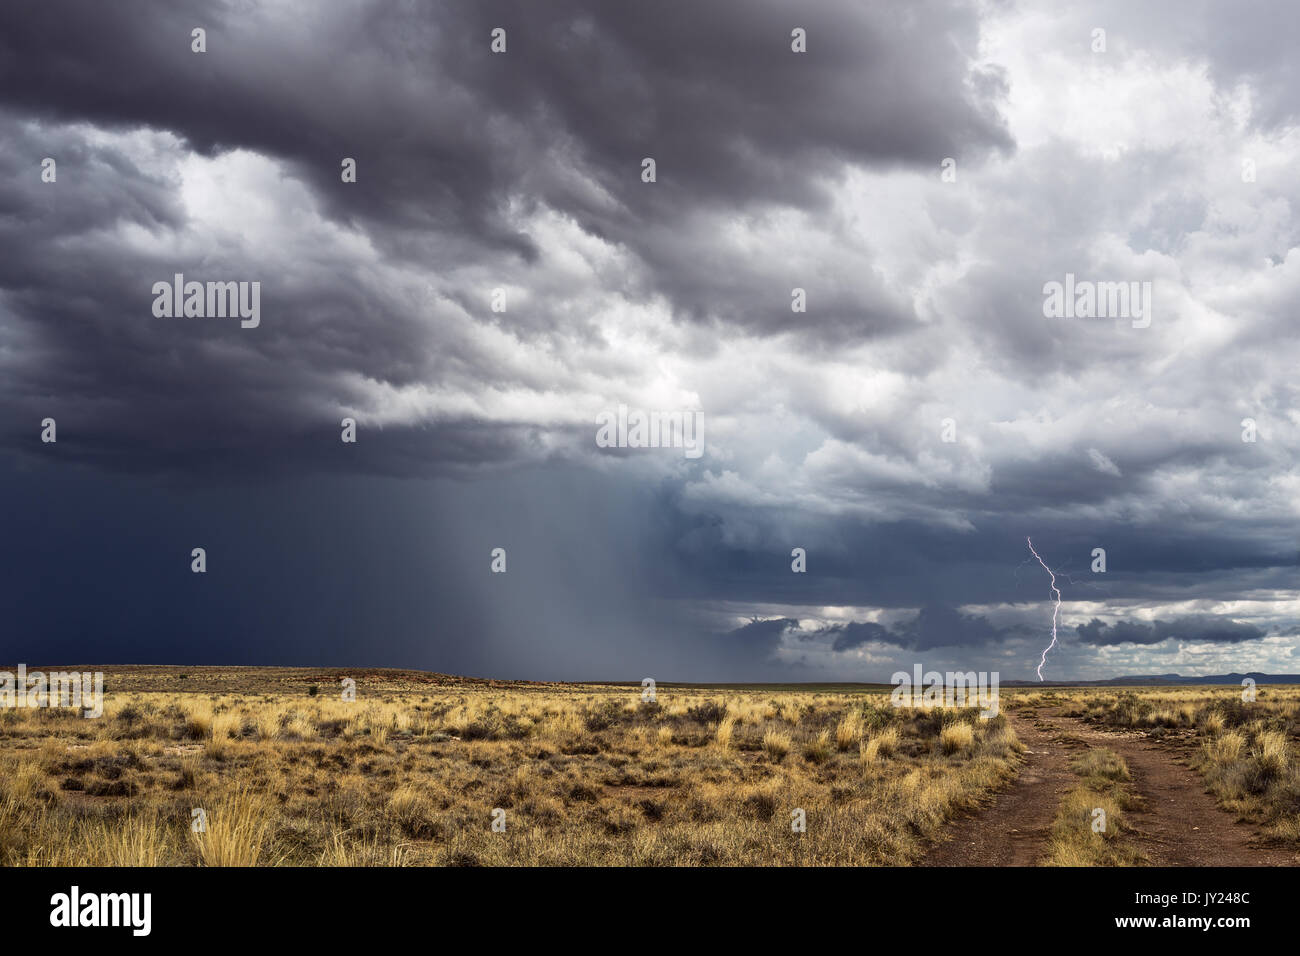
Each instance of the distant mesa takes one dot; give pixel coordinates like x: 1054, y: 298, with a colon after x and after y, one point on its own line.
x: 1148, y: 679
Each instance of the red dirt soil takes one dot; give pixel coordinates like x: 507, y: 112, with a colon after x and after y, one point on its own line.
x: 1179, y: 823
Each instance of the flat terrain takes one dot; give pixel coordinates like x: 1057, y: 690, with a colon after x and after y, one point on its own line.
x: 425, y: 769
x: 269, y: 766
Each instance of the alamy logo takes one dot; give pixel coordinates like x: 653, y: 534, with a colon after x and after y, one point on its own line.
x: 84, y: 691
x: 211, y: 300
x: 1084, y: 299
x: 641, y: 429
x: 951, y: 689
x: 134, y: 910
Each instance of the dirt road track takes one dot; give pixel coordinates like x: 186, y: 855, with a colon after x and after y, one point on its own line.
x: 1179, y: 824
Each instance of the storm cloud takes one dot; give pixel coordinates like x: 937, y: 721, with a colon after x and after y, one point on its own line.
x: 500, y: 274
x: 1192, y: 628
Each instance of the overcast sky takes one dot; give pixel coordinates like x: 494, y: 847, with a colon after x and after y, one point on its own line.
x: 1162, y: 152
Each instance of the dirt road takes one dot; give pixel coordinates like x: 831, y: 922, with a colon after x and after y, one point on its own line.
x: 1179, y: 823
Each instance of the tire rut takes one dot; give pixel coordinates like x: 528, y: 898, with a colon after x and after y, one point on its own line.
x: 1178, y: 823
x: 1013, y: 829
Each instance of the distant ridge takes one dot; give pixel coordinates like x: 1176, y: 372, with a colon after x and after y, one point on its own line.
x: 1172, y: 679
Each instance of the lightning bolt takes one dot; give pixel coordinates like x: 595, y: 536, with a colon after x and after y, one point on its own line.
x: 1055, y: 611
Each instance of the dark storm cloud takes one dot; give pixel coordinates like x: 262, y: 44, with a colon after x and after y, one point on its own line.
x: 446, y: 133
x: 911, y: 564
x: 347, y: 571
x: 452, y: 143
x: 775, y: 170
x: 933, y: 626
x: 939, y: 626
x: 757, y: 640
x: 1197, y: 628
x: 856, y: 633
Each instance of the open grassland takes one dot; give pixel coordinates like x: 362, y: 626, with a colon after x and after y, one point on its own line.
x: 411, y: 773
x: 1245, y: 750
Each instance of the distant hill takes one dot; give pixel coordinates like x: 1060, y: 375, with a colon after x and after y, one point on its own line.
x: 1172, y: 679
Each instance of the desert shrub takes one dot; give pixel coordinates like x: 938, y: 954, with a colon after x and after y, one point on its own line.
x: 777, y: 744
x: 956, y: 737
x: 709, y: 712
x: 818, y: 750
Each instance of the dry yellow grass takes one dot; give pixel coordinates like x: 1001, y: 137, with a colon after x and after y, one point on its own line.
x: 726, y: 729
x: 776, y: 744
x: 883, y: 743
x: 1091, y: 826
x: 956, y: 737
x: 1226, y: 748
x: 1246, y: 746
x: 238, y: 829
x: 410, y: 773
x: 849, y: 731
